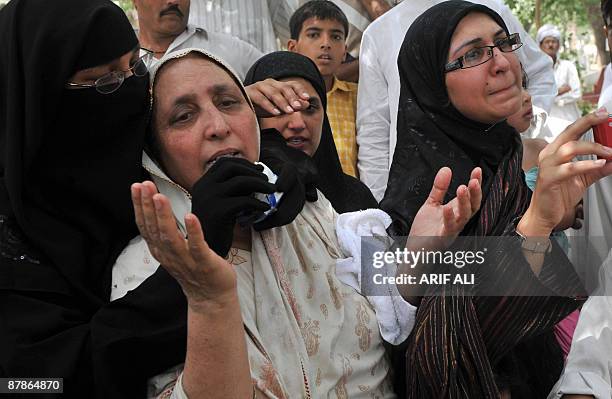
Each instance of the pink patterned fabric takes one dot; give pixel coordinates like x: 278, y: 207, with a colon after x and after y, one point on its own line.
x: 564, y: 332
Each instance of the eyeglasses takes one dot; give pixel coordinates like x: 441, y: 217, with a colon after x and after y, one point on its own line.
x: 480, y: 55
x: 110, y: 82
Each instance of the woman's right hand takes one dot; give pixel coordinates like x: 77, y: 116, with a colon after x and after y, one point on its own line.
x: 561, y: 182
x: 436, y: 225
x: 204, y: 276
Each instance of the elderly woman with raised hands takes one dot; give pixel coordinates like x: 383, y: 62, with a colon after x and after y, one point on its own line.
x: 272, y: 319
x: 460, y: 80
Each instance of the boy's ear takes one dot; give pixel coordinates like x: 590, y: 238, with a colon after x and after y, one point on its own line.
x: 291, y: 45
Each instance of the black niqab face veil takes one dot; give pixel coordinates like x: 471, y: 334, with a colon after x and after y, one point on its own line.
x: 431, y: 132
x: 68, y: 157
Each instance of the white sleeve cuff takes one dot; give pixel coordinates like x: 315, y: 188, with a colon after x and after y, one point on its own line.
x: 581, y: 383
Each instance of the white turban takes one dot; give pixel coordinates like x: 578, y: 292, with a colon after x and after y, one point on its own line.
x: 548, y: 30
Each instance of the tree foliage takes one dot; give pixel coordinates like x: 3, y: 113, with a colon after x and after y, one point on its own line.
x: 584, y: 13
x: 126, y: 5
x: 557, y: 12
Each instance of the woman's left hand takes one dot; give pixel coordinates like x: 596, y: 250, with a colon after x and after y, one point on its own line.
x: 562, y: 183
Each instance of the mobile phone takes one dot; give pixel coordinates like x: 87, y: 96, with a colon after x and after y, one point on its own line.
x: 603, y: 132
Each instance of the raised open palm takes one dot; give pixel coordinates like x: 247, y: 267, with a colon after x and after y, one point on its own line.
x: 436, y: 225
x: 562, y: 183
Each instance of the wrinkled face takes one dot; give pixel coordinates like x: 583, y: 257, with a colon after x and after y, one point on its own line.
x: 302, y: 129
x: 490, y: 92
x: 163, y: 17
x: 550, y: 46
x: 521, y: 120
x: 323, y: 41
x: 200, y: 114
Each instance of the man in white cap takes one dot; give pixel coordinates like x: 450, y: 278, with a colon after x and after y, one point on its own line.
x: 565, y: 108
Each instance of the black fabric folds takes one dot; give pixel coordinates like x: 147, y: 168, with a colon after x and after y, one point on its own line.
x: 431, y: 132
x: 67, y: 160
x: 69, y: 156
x: 345, y: 192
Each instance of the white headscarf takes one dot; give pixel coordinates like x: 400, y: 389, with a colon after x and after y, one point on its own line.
x: 217, y: 60
x: 548, y: 30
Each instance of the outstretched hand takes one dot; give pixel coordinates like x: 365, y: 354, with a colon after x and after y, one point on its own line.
x: 436, y: 225
x: 203, y: 275
x: 562, y: 183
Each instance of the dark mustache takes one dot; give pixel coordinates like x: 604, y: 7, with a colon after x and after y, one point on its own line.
x: 171, y: 9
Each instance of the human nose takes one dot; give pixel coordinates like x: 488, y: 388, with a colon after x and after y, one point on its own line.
x: 296, y: 122
x: 325, y: 41
x: 500, y: 60
x: 216, y: 126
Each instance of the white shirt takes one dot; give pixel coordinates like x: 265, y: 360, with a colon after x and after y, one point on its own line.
x: 565, y: 110
x: 379, y: 84
x: 588, y: 369
x: 257, y: 22
x: 605, y: 98
x: 237, y: 53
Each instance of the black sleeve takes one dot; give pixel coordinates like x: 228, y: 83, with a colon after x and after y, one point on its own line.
x: 358, y: 196
x: 104, y: 350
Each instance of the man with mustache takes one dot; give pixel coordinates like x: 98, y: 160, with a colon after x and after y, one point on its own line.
x: 164, y: 28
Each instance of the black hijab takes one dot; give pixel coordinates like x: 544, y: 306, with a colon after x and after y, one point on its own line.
x: 68, y: 157
x: 67, y: 160
x: 431, y: 132
x: 345, y: 192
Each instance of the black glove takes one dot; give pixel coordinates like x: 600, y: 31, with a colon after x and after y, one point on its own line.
x: 275, y: 153
x: 292, y: 202
x: 224, y: 193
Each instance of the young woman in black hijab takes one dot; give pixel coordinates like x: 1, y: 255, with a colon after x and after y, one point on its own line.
x: 74, y: 105
x: 459, y: 82
x: 345, y: 192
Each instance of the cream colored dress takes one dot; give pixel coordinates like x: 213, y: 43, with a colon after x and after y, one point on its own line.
x: 308, y: 334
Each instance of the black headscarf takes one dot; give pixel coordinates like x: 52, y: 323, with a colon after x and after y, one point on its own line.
x: 465, y: 345
x: 67, y: 160
x: 68, y: 157
x: 431, y: 132
x: 345, y: 192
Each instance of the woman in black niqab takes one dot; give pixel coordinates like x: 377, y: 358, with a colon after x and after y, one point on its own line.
x: 67, y: 160
x: 465, y: 346
x: 345, y: 192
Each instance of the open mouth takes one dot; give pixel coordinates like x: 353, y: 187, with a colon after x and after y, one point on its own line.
x: 296, y: 141
x: 214, y: 159
x: 324, y: 57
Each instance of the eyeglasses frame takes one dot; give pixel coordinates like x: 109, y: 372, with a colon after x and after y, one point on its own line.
x: 119, y: 74
x: 458, y: 63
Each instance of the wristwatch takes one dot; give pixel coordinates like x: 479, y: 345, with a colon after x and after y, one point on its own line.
x: 535, y: 244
